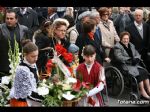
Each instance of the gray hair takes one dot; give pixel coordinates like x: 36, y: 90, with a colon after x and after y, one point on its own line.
x: 93, y: 14
x: 84, y: 14
x: 139, y: 11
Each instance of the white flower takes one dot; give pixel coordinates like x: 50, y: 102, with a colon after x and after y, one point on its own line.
x: 11, y: 65
x: 71, y: 80
x: 5, y: 80
x: 51, y: 85
x: 44, y: 81
x: 9, y: 60
x: 20, y: 54
x: 42, y: 90
x: 66, y: 87
x: 68, y: 96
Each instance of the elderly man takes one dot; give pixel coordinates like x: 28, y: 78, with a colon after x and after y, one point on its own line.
x: 140, y: 34
x: 10, y: 30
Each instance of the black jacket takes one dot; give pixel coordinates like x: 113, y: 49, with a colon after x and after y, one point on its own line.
x: 42, y: 41
x: 83, y: 40
x: 29, y: 19
x: 140, y: 44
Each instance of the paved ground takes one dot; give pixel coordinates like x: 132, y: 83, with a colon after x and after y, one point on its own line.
x: 124, y: 101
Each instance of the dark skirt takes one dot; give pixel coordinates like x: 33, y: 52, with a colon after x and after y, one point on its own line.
x: 143, y: 75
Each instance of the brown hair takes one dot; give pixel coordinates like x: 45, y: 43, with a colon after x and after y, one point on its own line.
x: 88, y: 25
x: 44, y: 25
x: 102, y: 10
x: 10, y: 11
x: 89, y: 50
x: 122, y: 34
x: 28, y: 46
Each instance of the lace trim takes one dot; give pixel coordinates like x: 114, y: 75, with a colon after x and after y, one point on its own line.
x: 24, y: 83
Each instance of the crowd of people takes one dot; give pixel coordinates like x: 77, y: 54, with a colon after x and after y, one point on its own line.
x: 88, y: 32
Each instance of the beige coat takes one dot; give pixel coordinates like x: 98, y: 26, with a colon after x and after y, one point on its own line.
x: 72, y: 34
x: 108, y: 37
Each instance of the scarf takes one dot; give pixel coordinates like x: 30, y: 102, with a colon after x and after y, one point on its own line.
x: 106, y: 24
x: 91, y: 35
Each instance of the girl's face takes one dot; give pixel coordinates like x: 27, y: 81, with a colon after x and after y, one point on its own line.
x: 125, y: 40
x: 32, y: 57
x: 60, y: 32
x: 89, y: 59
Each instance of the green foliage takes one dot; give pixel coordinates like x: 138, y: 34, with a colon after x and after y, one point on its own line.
x: 4, y: 93
x: 51, y: 101
x: 14, y: 59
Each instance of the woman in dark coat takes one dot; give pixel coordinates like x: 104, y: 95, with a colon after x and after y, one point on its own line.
x: 42, y: 40
x: 87, y: 37
x: 129, y: 59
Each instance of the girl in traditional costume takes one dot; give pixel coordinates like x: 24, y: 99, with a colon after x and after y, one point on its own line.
x: 23, y: 92
x: 92, y: 72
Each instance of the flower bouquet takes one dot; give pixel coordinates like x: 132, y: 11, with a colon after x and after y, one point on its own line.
x: 61, y: 58
x: 63, y: 93
x: 61, y: 88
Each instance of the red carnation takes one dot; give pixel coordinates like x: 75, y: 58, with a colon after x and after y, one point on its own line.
x: 68, y: 57
x: 49, y: 63
x: 49, y: 66
x: 60, y: 49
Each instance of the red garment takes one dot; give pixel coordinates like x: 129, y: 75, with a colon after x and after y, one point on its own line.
x: 15, y: 103
x: 92, y: 78
x: 91, y: 35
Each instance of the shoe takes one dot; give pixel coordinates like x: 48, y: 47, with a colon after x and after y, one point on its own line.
x: 144, y: 98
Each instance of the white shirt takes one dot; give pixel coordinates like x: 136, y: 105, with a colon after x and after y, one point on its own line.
x: 89, y: 67
x: 139, y: 26
x: 23, y: 11
x: 31, y: 65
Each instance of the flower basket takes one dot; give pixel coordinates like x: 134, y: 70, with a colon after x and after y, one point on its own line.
x: 71, y: 103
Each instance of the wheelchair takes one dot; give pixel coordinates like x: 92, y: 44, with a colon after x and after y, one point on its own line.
x: 118, y: 80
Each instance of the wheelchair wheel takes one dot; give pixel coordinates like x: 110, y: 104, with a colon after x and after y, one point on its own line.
x: 133, y: 96
x: 114, y: 81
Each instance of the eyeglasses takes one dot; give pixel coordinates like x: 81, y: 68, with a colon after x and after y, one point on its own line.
x: 62, y: 30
